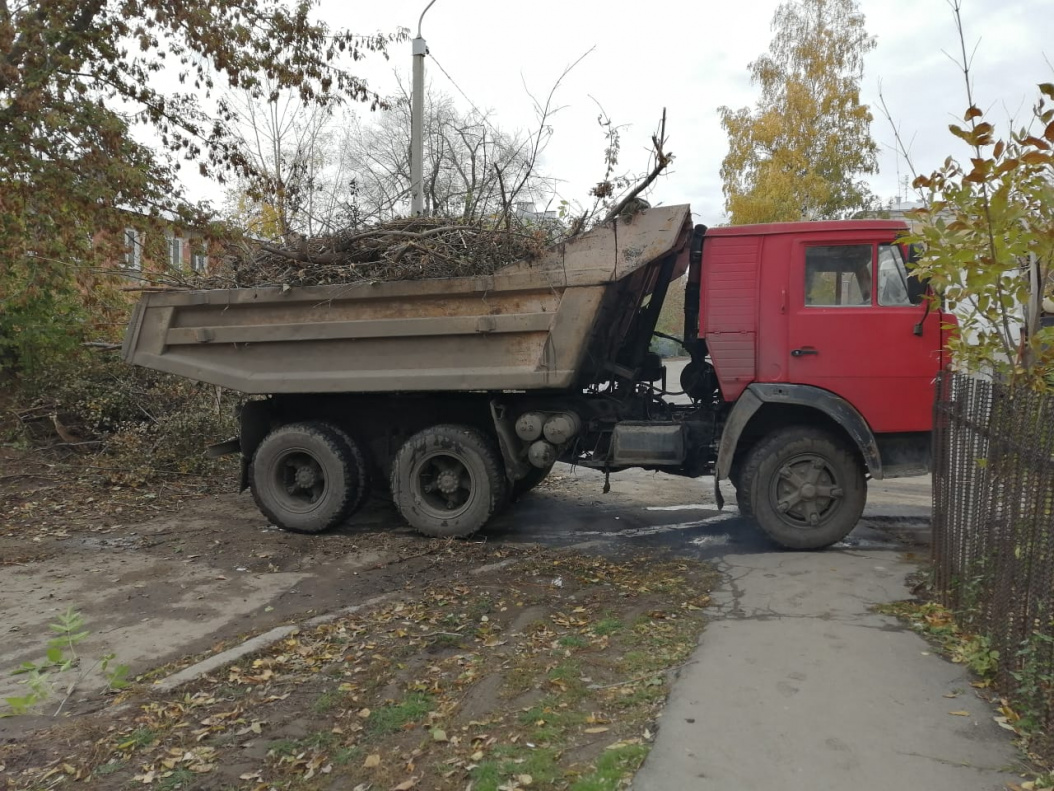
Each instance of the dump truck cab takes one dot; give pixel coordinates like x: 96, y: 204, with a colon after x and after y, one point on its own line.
x: 816, y: 328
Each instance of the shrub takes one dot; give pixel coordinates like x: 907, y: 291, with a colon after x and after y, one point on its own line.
x: 139, y: 423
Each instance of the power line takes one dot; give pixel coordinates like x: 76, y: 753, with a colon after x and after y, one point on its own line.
x: 480, y: 113
x: 484, y: 119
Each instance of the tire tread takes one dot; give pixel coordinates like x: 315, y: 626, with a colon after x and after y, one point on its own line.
x: 336, y: 442
x: 494, y: 470
x: 817, y: 441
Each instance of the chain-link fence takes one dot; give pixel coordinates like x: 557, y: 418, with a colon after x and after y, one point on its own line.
x: 993, y: 530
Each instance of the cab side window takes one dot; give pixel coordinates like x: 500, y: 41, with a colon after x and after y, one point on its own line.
x: 893, y: 280
x: 838, y: 275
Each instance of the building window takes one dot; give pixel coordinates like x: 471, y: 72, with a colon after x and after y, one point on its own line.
x: 133, y: 249
x: 199, y: 262
x: 838, y: 276
x: 175, y: 252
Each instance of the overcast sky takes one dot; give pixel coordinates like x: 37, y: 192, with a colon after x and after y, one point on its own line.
x: 691, y: 56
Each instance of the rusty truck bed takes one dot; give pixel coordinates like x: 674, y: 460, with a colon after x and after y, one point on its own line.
x: 542, y: 324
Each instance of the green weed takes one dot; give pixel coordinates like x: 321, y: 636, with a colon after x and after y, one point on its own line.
x: 180, y: 778
x: 607, y: 626
x: 612, y: 768
x: 394, y: 718
x: 510, y: 762
x: 60, y: 657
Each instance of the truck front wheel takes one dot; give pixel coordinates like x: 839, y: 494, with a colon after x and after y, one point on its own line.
x: 447, y: 481
x: 806, y: 487
x: 307, y: 477
x: 742, y: 487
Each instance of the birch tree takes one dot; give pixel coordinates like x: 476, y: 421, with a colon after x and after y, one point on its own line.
x: 802, y: 151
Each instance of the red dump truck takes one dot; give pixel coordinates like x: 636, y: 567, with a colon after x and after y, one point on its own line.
x: 813, y: 356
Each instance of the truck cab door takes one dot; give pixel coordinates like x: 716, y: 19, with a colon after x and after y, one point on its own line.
x: 852, y: 322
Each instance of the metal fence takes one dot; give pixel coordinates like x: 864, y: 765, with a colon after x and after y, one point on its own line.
x: 993, y: 530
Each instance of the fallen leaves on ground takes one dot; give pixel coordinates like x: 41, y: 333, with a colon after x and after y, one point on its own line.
x: 499, y: 679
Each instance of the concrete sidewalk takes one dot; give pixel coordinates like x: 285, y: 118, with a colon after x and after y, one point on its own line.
x: 798, y: 686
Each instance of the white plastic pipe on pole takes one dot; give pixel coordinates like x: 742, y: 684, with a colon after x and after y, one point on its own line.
x: 417, y: 119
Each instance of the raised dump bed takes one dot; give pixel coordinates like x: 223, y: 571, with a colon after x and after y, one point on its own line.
x: 551, y: 323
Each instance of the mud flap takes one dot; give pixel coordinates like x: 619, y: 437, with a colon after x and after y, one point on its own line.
x: 255, y: 420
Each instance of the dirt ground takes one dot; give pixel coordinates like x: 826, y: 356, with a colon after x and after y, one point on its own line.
x: 536, y: 654
x: 474, y: 650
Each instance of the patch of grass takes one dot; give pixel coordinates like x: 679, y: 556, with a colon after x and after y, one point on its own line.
x: 606, y: 626
x: 326, y: 702
x: 448, y: 640
x: 180, y: 778
x: 481, y: 605
x: 392, y: 719
x: 938, y: 623
x: 569, y: 672
x: 319, y: 740
x: 231, y: 691
x: 549, y: 721
x: 140, y: 737
x: 657, y: 630
x: 671, y: 584
x: 612, y: 768
x: 567, y: 677
x: 109, y: 768
x: 635, y: 663
x: 519, y: 678
x: 572, y: 641
x: 283, y: 748
x: 345, y: 756
x: 641, y: 694
x: 510, y: 761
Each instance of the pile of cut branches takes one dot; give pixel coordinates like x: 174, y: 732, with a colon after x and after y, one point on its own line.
x: 403, y: 249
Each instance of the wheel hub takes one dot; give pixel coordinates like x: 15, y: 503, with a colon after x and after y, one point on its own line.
x: 448, y: 482
x: 306, y: 476
x: 807, y: 491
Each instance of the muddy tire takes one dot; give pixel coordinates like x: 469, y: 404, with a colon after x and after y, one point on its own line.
x: 742, y: 487
x: 806, y: 488
x: 533, y: 477
x: 308, y: 477
x: 447, y: 481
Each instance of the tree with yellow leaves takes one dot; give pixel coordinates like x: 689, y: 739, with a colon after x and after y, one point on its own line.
x: 800, y: 153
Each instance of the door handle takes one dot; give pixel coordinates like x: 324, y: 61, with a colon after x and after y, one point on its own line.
x: 803, y: 352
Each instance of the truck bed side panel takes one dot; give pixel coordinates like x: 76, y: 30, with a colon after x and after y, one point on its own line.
x: 526, y: 327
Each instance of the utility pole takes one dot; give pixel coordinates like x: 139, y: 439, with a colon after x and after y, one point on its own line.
x: 417, y: 122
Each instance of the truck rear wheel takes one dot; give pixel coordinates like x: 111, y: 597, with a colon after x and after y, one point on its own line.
x: 447, y: 481
x: 806, y: 488
x: 308, y: 477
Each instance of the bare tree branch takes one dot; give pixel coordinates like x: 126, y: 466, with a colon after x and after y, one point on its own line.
x: 662, y: 161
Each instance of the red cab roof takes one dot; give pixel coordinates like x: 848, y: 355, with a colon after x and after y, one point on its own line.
x: 808, y: 227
